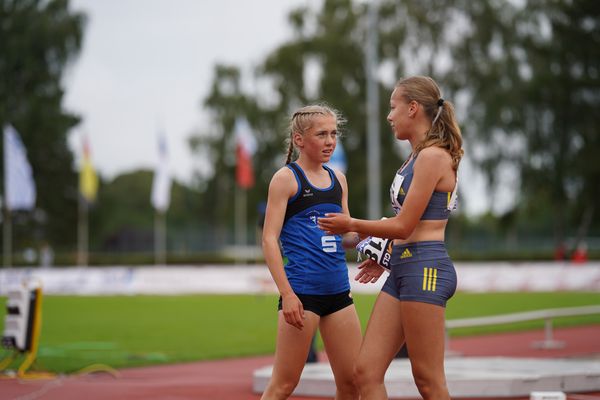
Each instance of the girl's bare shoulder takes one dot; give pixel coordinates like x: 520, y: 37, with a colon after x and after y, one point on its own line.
x: 435, y: 155
x: 284, y: 178
x: 339, y: 175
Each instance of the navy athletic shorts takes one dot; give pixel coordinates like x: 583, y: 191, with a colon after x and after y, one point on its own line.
x: 421, y: 271
x: 324, y: 304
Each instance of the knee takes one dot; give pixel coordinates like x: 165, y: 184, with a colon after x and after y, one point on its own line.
x: 358, y: 375
x: 364, y: 376
x: 430, y: 387
x: 281, y: 389
x: 424, y: 387
x: 287, y: 388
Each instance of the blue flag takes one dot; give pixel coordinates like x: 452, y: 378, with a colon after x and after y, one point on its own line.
x: 338, y: 158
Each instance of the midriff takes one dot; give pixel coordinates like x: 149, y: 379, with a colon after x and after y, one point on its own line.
x: 426, y: 230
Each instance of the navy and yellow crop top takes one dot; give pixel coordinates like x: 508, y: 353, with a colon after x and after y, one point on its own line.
x: 440, y: 204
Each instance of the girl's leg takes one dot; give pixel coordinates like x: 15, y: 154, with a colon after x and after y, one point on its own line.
x: 425, y: 337
x: 290, y: 356
x: 342, y: 335
x: 383, y: 339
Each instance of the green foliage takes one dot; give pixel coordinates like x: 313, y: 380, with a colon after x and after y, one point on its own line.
x: 38, y: 39
x: 533, y: 100
x: 125, y: 331
x: 123, y: 208
x: 526, y: 98
x: 334, y: 40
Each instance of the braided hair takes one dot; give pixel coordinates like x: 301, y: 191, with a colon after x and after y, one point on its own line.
x: 302, y: 120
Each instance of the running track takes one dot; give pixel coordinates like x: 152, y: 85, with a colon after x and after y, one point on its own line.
x: 232, y: 379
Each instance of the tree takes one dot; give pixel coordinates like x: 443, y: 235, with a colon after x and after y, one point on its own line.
x: 124, y: 207
x: 526, y: 96
x: 226, y: 103
x: 534, y: 81
x: 37, y: 41
x: 332, y: 41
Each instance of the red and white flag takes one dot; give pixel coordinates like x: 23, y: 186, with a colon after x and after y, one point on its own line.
x: 245, y: 147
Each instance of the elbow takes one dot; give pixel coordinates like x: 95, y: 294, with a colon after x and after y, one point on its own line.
x: 267, y: 241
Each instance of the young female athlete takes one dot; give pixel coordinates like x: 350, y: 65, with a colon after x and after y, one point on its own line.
x: 314, y: 287
x: 410, y: 307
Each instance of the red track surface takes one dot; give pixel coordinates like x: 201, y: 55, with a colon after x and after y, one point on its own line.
x: 232, y: 379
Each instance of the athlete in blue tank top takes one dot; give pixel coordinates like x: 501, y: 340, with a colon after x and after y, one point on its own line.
x: 314, y: 287
x: 316, y: 261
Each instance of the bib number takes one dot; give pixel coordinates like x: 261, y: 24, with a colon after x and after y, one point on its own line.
x: 329, y: 244
x: 377, y: 249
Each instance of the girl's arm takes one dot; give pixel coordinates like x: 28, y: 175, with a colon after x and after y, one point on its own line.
x: 429, y: 168
x: 282, y: 187
x: 369, y: 271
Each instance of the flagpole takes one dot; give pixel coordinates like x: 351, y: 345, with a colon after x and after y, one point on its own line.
x: 82, y: 233
x: 373, y: 135
x: 160, y: 198
x: 19, y: 185
x: 7, y: 238
x: 240, y: 221
x: 160, y: 238
x: 244, y: 174
x: 88, y: 188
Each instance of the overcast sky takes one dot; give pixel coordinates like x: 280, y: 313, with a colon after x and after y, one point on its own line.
x: 146, y: 66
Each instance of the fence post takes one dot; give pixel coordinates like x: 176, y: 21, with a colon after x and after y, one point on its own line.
x: 548, y: 342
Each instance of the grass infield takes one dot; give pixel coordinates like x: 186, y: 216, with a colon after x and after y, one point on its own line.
x: 126, y: 331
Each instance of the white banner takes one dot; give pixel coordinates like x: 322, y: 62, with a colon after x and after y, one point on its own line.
x: 249, y: 279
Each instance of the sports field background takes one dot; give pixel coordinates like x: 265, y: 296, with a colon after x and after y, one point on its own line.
x: 124, y: 331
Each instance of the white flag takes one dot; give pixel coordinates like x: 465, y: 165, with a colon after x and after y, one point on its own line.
x: 19, y: 187
x: 161, y: 186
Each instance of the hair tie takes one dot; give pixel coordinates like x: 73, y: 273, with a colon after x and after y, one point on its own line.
x: 440, y: 103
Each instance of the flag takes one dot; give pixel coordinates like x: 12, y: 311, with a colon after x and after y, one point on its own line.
x: 245, y: 147
x: 161, y: 186
x: 338, y: 158
x: 19, y: 186
x: 88, y: 179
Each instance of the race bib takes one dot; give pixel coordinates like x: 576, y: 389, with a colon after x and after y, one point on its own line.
x: 377, y: 249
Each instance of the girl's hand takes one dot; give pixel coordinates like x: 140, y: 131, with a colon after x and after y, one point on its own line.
x: 369, y: 272
x: 293, y: 310
x: 335, y: 223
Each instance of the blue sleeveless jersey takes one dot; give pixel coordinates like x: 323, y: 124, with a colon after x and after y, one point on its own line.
x: 316, y: 261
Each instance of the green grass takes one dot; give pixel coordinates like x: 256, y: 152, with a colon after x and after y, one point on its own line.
x: 124, y: 331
